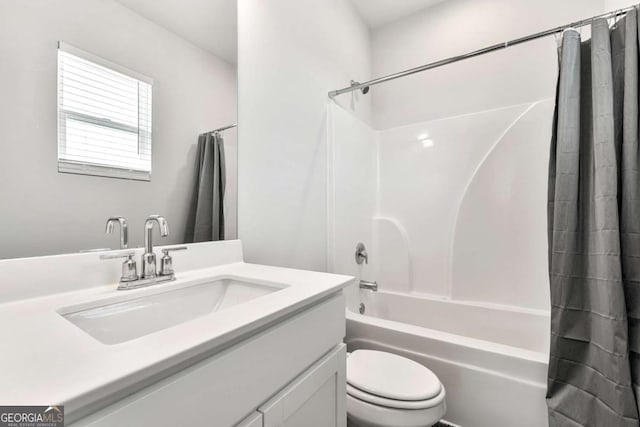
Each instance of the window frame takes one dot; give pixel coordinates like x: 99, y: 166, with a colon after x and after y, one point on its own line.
x: 144, y: 133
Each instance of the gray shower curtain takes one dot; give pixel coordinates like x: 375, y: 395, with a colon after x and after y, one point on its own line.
x: 206, y: 217
x: 594, y: 231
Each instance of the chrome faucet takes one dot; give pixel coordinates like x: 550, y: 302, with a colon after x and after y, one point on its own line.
x: 124, y: 233
x: 130, y: 278
x: 149, y: 257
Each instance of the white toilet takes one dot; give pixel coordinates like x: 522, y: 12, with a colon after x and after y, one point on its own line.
x: 387, y: 390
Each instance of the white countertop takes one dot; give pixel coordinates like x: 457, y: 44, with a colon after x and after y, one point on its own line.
x: 45, y: 359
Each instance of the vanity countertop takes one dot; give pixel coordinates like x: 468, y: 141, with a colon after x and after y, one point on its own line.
x: 48, y: 360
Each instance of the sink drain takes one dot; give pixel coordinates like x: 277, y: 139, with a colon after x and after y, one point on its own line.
x: 362, y: 308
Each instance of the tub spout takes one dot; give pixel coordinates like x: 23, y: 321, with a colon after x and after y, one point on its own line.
x: 372, y: 286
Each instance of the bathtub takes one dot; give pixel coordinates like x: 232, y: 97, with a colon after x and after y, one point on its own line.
x: 491, y: 359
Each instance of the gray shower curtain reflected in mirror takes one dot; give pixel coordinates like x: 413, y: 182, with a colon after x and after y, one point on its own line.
x: 594, y: 231
x: 206, y: 216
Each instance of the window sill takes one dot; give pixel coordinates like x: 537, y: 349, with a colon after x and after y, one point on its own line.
x: 104, y: 171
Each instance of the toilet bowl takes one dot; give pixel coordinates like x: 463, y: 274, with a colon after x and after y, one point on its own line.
x: 387, y: 390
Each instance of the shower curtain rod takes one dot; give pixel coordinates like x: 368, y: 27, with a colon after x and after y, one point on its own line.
x: 223, y: 128
x: 478, y: 52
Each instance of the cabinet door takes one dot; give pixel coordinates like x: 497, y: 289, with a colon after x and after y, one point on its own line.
x: 317, y: 398
x: 253, y: 420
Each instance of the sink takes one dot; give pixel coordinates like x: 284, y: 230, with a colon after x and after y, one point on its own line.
x: 122, y: 321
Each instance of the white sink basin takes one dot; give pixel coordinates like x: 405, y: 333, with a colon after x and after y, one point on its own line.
x: 126, y: 320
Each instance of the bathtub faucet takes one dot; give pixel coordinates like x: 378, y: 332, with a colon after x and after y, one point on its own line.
x: 372, y: 286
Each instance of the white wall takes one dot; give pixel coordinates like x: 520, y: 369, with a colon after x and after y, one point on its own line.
x: 290, y: 54
x: 617, y: 4
x: 464, y: 217
x: 352, y: 195
x: 46, y: 212
x: 513, y: 76
x: 231, y: 189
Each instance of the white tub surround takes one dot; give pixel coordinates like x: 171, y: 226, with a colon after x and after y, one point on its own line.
x: 49, y: 360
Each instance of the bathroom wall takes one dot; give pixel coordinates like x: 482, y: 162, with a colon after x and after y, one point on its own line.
x: 290, y: 54
x: 462, y: 152
x: 618, y: 4
x: 47, y: 212
x: 352, y: 192
x: 231, y: 190
x: 517, y: 75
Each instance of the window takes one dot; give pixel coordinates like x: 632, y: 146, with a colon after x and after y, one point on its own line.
x: 104, y: 117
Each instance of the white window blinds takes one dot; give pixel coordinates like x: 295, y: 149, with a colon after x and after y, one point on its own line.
x: 104, y: 117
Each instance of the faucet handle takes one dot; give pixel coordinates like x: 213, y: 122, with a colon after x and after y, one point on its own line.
x: 129, y: 267
x: 117, y: 254
x: 166, y: 263
x: 361, y: 254
x: 174, y: 248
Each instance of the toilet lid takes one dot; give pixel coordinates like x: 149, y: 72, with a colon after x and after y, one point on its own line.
x: 391, y: 376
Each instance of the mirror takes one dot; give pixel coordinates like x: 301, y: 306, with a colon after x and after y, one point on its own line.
x: 186, y: 49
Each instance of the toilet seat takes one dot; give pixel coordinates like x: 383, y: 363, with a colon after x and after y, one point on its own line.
x: 396, y: 404
x: 363, y: 414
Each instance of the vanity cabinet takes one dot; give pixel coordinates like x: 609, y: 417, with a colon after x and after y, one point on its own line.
x: 290, y: 373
